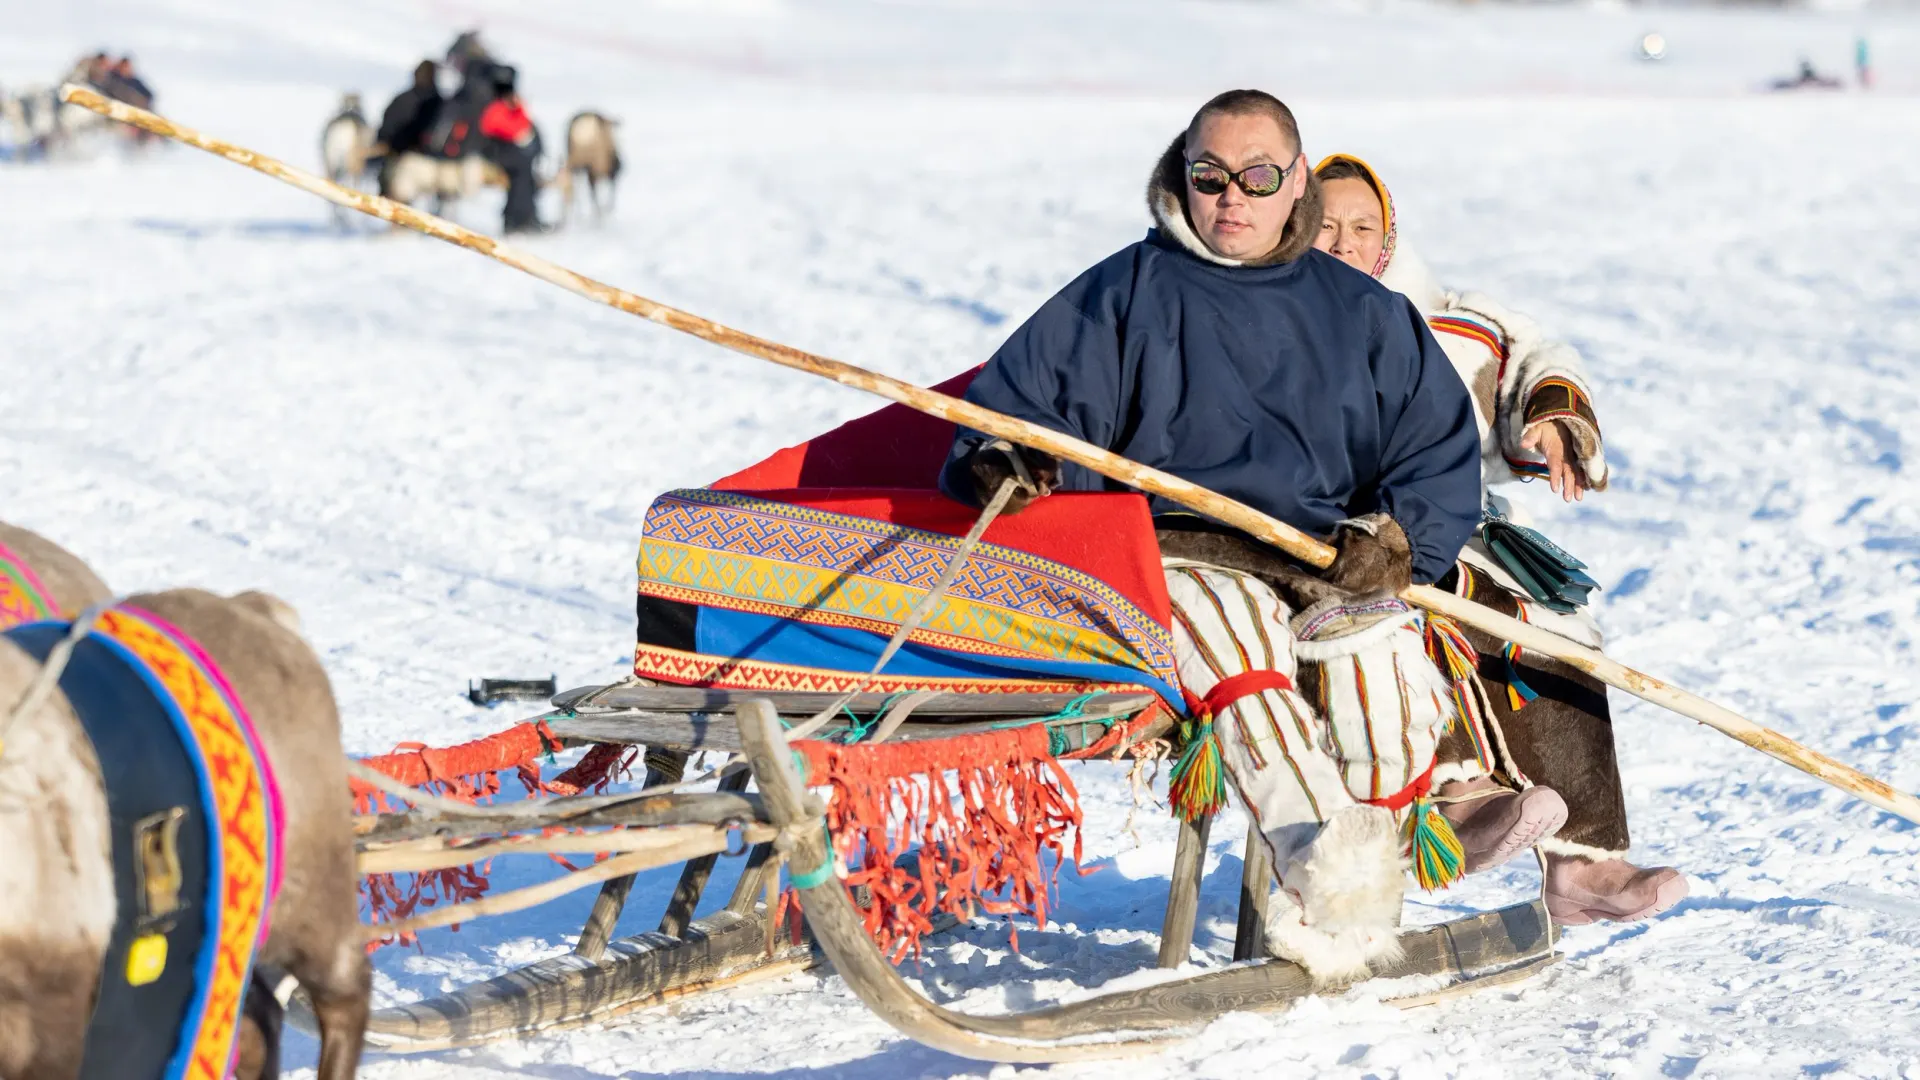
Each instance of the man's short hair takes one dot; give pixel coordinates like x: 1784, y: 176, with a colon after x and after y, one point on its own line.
x: 1249, y: 103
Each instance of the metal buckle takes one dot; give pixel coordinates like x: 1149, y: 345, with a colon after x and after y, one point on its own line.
x: 156, y: 865
x: 736, y: 837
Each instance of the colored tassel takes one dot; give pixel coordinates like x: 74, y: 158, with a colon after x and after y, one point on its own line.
x: 1455, y: 656
x: 1519, y: 694
x: 1449, y: 648
x: 1438, y: 860
x: 1198, y: 784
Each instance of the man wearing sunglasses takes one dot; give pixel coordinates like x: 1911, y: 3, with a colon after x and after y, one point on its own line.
x: 1223, y: 349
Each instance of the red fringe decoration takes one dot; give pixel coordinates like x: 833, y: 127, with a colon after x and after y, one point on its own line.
x: 467, y: 772
x: 602, y: 765
x: 985, y: 809
x: 1004, y: 802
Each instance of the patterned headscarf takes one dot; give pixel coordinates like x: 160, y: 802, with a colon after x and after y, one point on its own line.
x: 1386, y: 204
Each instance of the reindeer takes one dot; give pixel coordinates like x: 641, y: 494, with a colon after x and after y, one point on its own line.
x: 413, y: 176
x: 58, y: 875
x: 590, y: 150
x: 346, y: 146
x: 14, y: 139
x: 29, y: 123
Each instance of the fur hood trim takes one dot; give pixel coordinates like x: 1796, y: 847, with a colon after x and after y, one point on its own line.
x: 1408, y: 274
x: 1165, y: 188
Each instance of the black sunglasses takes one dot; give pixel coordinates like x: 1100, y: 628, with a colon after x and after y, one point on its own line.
x: 1259, y: 181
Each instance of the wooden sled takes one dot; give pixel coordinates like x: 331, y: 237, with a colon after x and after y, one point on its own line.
x: 603, y: 978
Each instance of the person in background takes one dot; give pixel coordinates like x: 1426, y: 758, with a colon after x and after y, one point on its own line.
x: 512, y: 143
x: 1549, y: 755
x: 136, y: 90
x: 477, y: 68
x: 409, y: 117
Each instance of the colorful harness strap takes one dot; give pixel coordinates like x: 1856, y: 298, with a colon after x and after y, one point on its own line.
x: 196, y: 822
x: 23, y: 598
x: 1438, y: 859
x: 1197, y: 786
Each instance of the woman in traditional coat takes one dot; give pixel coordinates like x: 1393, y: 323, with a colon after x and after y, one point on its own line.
x: 1538, y: 748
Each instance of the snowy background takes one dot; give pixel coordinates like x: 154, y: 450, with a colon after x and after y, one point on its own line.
x: 444, y: 464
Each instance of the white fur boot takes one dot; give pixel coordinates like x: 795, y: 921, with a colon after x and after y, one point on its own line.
x: 1338, y: 907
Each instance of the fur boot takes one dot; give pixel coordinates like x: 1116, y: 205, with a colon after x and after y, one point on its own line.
x: 1337, y: 912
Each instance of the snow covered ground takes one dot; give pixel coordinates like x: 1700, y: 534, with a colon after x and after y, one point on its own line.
x: 444, y: 464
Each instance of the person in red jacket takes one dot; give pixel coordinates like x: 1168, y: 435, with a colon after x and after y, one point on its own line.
x: 512, y: 143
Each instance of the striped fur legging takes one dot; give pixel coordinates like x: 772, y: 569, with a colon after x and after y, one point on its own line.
x: 1361, y: 723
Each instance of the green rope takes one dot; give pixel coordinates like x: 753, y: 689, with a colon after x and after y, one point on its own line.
x: 824, y: 873
x: 1057, y: 741
x: 860, y: 729
x: 821, y: 874
x: 1072, y: 711
x: 815, y: 878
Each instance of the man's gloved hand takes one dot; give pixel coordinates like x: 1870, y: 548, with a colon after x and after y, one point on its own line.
x: 1375, y: 556
x: 991, y: 464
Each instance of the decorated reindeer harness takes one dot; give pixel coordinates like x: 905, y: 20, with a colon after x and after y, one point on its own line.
x: 196, y: 824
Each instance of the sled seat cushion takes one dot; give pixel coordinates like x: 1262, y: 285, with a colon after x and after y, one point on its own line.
x: 800, y: 588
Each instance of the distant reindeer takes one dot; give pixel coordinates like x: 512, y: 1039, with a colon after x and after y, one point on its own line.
x: 13, y: 127
x: 590, y: 150
x: 413, y: 176
x: 29, y: 124
x: 346, y: 145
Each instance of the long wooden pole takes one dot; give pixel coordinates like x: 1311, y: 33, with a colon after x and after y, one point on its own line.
x: 1240, y: 516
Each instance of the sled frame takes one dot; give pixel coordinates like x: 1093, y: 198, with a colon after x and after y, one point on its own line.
x: 603, y: 979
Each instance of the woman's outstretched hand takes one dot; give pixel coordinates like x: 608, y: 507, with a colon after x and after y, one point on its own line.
x: 1551, y: 440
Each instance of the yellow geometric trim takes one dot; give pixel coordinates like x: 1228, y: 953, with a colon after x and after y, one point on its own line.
x: 719, y: 579
x: 699, y: 669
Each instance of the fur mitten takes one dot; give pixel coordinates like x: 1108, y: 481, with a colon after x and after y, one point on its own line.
x: 993, y: 463
x: 1375, y: 556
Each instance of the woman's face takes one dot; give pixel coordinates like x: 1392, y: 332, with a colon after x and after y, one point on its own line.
x: 1352, y: 228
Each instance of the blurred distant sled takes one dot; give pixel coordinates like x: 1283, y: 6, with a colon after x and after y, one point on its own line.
x: 443, y: 148
x: 1806, y: 79
x: 35, y: 126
